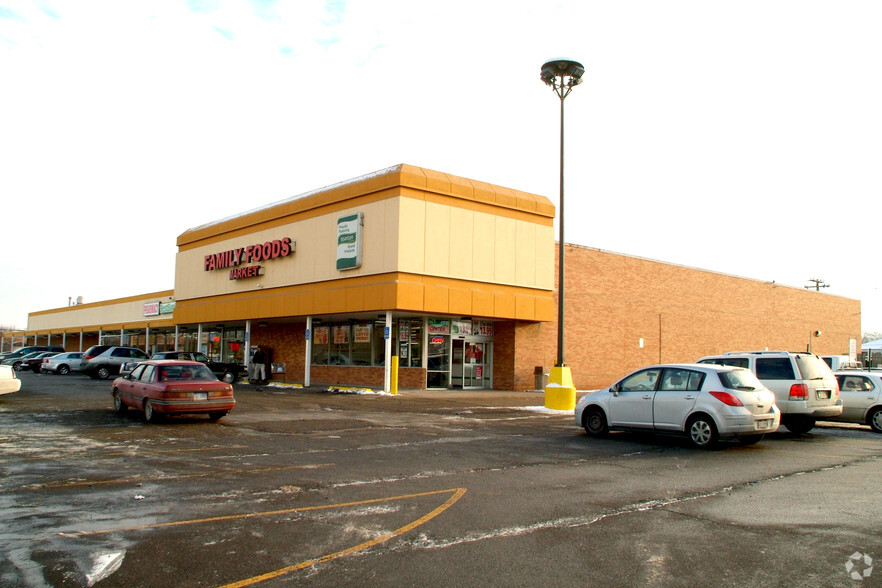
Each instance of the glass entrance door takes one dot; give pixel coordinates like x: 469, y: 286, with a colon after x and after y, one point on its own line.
x: 438, y: 362
x: 475, y: 365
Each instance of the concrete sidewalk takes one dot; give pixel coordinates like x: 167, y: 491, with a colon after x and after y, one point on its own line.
x: 480, y: 396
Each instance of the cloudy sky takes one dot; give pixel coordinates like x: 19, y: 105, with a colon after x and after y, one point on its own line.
x: 743, y: 137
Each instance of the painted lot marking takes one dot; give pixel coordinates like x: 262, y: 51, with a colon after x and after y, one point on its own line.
x: 181, y: 476
x: 456, y: 494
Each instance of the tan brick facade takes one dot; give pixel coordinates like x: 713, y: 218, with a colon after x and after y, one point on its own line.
x: 613, y: 301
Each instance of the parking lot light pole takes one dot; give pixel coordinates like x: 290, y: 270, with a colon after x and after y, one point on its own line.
x: 560, y: 393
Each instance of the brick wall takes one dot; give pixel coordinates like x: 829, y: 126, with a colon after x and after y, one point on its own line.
x: 612, y: 301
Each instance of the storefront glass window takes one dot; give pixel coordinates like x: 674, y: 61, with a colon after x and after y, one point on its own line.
x: 321, y: 344
x: 340, y: 345
x: 410, y: 342
x: 234, y: 345
x: 380, y: 343
x: 362, y: 335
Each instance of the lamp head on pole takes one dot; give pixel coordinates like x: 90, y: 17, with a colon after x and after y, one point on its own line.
x: 562, y: 75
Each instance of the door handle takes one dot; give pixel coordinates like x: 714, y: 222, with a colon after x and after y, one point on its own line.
x: 647, y: 397
x: 689, y: 397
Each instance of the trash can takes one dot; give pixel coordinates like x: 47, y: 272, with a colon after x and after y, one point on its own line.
x: 540, y: 378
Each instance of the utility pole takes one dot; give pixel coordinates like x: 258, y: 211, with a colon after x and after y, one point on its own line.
x: 817, y: 284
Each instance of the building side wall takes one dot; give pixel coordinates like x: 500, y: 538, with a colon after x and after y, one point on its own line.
x: 681, y: 314
x: 113, y: 313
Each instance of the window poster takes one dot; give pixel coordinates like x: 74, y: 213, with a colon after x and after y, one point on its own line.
x: 462, y: 327
x: 403, y: 330
x: 485, y: 328
x: 363, y: 333
x: 341, y: 334
x: 441, y: 326
x: 321, y: 335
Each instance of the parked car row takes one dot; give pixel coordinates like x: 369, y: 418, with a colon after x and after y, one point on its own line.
x: 22, y: 351
x: 104, y: 361
x: 741, y: 395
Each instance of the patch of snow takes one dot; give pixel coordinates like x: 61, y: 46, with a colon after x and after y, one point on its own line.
x: 103, y: 565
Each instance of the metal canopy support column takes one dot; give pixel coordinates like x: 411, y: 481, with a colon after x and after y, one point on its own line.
x: 307, y: 361
x: 247, y: 347
x: 387, y: 354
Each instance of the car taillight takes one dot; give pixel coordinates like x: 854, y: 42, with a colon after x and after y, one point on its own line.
x: 726, y: 398
x: 798, y: 392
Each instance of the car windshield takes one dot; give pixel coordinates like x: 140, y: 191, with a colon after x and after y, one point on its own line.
x: 813, y: 368
x: 185, y: 373
x: 740, y: 380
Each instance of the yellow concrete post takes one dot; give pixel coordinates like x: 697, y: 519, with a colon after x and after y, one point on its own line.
x: 560, y: 393
x: 393, y: 378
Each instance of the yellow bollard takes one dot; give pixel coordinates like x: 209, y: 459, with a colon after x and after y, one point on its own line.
x: 560, y: 393
x: 393, y: 375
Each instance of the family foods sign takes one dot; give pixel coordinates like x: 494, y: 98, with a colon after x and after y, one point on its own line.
x: 237, y: 259
x: 349, y: 240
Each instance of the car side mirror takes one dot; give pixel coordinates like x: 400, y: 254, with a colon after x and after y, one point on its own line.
x: 614, y: 390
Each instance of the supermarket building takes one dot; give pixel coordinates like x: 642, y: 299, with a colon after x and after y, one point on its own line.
x: 455, y: 278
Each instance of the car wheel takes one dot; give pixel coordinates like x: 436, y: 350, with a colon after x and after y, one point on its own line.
x: 150, y: 415
x: 229, y: 377
x: 750, y: 439
x: 874, y: 419
x: 595, y: 423
x: 103, y: 372
x: 118, y: 405
x: 216, y: 416
x: 799, y: 425
x: 702, y: 431
x: 63, y: 370
x: 17, y: 366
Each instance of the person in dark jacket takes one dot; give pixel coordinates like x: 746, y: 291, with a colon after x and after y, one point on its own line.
x: 258, y: 366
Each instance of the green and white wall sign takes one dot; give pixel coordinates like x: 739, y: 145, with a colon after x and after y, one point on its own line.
x: 349, y: 241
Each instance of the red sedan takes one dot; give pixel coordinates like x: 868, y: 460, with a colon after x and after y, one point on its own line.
x: 172, y: 387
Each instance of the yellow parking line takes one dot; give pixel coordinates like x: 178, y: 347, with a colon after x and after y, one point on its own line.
x: 249, y: 515
x: 183, y: 476
x: 457, y: 494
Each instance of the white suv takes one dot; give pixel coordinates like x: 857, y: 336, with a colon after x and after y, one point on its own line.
x: 804, y: 386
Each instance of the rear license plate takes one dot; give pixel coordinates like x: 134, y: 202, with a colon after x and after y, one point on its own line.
x: 200, y: 396
x: 764, y: 424
x: 823, y: 394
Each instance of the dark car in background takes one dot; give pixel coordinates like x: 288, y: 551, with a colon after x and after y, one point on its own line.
x: 103, y: 361
x: 226, y: 372
x: 35, y: 362
x: 22, y: 351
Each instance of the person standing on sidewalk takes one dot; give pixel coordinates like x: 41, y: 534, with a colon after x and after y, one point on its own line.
x: 258, y: 366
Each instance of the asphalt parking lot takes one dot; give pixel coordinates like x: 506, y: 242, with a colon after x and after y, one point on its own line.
x: 425, y: 488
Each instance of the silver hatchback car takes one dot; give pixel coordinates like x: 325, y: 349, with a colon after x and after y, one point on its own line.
x: 705, y: 402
